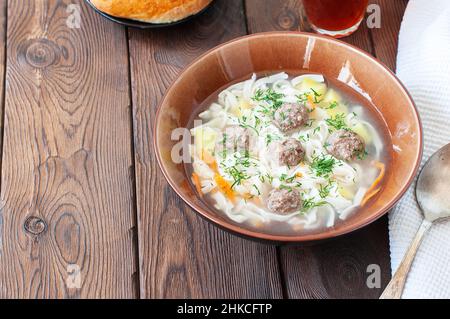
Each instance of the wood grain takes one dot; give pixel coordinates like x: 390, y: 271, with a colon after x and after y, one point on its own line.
x: 385, y: 39
x: 182, y: 255
x: 335, y: 269
x: 66, y: 192
x: 338, y: 268
x: 275, y: 15
x: 68, y: 171
x: 3, y: 7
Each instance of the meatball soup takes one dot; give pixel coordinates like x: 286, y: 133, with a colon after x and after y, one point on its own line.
x: 288, y: 154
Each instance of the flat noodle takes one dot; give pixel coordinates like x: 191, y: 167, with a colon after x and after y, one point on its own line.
x: 197, y: 183
x: 371, y: 192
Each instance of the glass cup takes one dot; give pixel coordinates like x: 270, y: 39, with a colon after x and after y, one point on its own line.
x: 336, y: 18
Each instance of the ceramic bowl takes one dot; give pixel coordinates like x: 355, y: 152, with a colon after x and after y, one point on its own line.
x: 302, y: 52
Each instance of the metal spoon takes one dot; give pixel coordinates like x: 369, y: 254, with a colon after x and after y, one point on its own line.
x: 433, y: 196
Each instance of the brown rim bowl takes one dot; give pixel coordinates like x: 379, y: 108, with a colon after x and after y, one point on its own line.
x: 302, y: 52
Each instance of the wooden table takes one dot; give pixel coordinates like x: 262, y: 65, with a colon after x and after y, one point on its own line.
x: 80, y: 186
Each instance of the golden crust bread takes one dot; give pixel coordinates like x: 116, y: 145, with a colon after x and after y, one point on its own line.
x: 152, y: 11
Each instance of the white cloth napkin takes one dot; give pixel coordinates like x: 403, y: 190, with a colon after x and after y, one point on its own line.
x: 423, y: 64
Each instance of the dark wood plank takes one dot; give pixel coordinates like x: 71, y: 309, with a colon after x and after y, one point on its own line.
x: 182, y: 255
x: 335, y: 269
x: 338, y: 268
x: 3, y: 7
x: 67, y: 156
x: 275, y: 15
x: 385, y: 39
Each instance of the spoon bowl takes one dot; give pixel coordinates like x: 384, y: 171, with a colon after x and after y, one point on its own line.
x: 433, y: 197
x: 433, y: 186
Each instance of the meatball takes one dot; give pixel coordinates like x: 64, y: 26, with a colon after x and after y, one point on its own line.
x: 284, y: 201
x: 345, y: 145
x: 290, y: 116
x: 291, y: 152
x: 235, y: 138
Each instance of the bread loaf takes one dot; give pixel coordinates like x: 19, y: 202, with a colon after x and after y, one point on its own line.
x: 152, y: 11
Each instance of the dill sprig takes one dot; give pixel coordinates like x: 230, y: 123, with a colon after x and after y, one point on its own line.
x: 304, y: 97
x: 309, y: 204
x: 324, y: 190
x: 309, y: 122
x: 238, y: 175
x: 270, y: 138
x: 238, y: 170
x: 243, y: 122
x: 263, y: 178
x: 337, y: 122
x: 323, y: 165
x: 269, y: 96
x: 285, y: 178
x: 332, y: 105
x: 362, y: 155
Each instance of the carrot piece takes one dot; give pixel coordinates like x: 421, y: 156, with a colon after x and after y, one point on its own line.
x: 248, y: 196
x: 207, y: 157
x: 299, y: 175
x: 214, y: 166
x: 371, y: 191
x: 224, y: 186
x: 367, y: 197
x: 311, y: 103
x: 257, y: 223
x: 257, y: 201
x: 210, y: 160
x: 197, y: 183
x: 252, y: 198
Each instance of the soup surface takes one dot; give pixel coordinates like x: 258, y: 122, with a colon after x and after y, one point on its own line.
x: 284, y: 154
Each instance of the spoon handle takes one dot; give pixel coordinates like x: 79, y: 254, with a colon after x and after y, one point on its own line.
x: 395, y: 287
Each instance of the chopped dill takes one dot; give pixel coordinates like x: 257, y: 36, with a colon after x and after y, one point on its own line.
x: 288, y: 188
x: 324, y: 190
x: 263, y: 178
x: 331, y: 106
x: 362, y: 155
x: 237, y: 175
x: 237, y: 170
x: 269, y: 96
x: 257, y: 189
x: 304, y: 138
x: 337, y: 122
x: 270, y: 138
x: 323, y: 165
x: 316, y: 95
x: 310, y: 204
x: 304, y: 97
x: 243, y: 123
x: 316, y: 130
x: 309, y: 122
x: 286, y: 179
